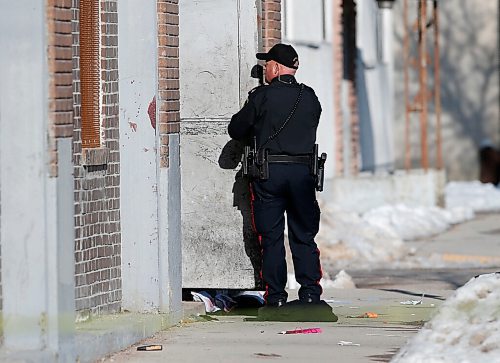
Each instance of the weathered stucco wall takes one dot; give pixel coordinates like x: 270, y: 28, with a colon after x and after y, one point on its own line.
x: 469, y: 85
x: 217, y: 50
x: 139, y: 210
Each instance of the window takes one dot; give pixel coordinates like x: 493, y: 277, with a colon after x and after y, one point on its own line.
x: 90, y: 73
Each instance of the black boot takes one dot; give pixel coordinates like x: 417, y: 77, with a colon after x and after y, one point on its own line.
x: 308, y: 310
x: 271, y: 311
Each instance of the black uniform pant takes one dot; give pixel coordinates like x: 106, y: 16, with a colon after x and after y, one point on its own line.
x: 290, y: 189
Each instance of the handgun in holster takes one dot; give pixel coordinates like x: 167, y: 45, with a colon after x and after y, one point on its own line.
x: 255, y: 162
x: 318, y: 168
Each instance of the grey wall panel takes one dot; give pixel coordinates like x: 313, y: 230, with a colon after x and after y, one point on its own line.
x: 138, y: 84
x: 217, y: 50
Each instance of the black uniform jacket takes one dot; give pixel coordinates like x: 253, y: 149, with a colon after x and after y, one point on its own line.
x: 266, y: 110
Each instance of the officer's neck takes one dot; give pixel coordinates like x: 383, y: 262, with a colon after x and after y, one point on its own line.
x: 284, y: 78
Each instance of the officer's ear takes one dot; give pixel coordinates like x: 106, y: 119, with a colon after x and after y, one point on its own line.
x: 276, y: 68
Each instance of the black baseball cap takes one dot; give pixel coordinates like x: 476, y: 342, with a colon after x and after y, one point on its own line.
x: 283, y: 54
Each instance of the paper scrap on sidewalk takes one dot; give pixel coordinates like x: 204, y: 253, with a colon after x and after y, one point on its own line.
x: 209, y: 305
x: 302, y: 331
x: 413, y: 302
x: 347, y: 343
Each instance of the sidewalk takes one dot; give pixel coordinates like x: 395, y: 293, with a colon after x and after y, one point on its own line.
x: 473, y: 243
x: 234, y: 339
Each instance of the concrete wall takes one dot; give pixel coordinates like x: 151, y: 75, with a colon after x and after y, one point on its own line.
x: 367, y: 191
x: 469, y: 85
x: 37, y: 219
x: 217, y: 50
x: 137, y: 44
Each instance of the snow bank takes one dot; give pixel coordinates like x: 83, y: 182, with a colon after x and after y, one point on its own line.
x: 377, y: 236
x: 341, y: 281
x: 466, y: 328
x: 475, y: 195
x: 346, y: 236
x: 412, y: 223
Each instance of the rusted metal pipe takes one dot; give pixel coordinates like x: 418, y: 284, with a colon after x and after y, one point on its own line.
x: 406, y: 56
x: 422, y: 5
x: 437, y: 88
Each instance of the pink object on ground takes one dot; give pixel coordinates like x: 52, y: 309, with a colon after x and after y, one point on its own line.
x: 302, y: 331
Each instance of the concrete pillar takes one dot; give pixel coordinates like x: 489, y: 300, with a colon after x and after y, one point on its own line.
x: 37, y: 210
x: 169, y: 226
x: 137, y: 42
x: 150, y: 206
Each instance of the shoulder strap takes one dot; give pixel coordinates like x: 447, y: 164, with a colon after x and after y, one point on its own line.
x: 294, y: 108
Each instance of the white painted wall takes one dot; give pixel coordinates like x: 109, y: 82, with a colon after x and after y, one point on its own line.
x: 311, y: 37
x: 37, y: 232
x: 137, y: 43
x: 308, y: 25
x: 217, y: 50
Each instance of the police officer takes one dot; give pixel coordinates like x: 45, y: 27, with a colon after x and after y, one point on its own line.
x: 290, y: 112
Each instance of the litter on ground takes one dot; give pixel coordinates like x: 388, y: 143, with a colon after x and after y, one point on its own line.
x: 412, y: 302
x: 151, y: 347
x: 347, y: 343
x: 369, y: 314
x: 302, y: 331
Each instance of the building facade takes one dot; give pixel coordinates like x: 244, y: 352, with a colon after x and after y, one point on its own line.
x: 91, y: 210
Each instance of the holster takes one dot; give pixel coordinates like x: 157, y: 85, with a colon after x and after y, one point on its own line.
x: 318, y: 168
x: 255, y: 163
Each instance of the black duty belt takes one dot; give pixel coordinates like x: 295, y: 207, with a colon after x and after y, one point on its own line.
x: 301, y: 159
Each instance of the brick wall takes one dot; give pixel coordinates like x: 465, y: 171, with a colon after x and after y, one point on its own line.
x: 337, y: 85
x: 350, y: 51
x: 168, y: 75
x: 271, y: 23
x: 60, y: 75
x: 344, y: 53
x: 97, y: 184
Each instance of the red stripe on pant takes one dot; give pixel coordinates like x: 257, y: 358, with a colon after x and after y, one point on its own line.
x: 320, y: 270
x: 252, y: 198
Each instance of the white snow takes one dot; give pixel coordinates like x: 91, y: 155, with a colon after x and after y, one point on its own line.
x: 412, y: 223
x: 341, y: 281
x: 378, y: 236
x: 466, y: 328
x: 346, y: 236
x: 475, y: 195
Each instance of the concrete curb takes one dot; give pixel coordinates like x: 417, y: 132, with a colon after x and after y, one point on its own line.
x: 107, y: 334
x: 193, y: 308
x: 112, y: 333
